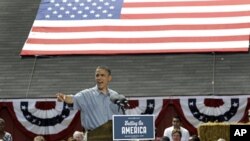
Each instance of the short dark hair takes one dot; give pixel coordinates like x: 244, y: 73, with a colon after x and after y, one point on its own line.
x: 177, y: 117
x: 106, y: 68
x: 165, y: 138
x: 194, y: 138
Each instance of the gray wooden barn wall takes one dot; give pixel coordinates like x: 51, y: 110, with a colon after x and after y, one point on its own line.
x: 133, y: 75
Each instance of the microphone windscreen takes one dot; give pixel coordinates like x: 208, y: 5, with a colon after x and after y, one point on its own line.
x: 121, y: 96
x: 114, y: 97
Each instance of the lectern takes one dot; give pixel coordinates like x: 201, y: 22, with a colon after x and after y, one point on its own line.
x: 102, y: 133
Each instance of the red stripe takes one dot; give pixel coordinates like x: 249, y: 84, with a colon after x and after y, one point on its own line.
x: 138, y: 40
x: 141, y: 28
x: 101, y: 52
x: 190, y: 3
x: 185, y: 15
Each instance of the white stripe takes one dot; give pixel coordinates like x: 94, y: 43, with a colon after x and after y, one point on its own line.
x: 185, y: 9
x: 144, y: 46
x: 143, y: 22
x: 140, y: 34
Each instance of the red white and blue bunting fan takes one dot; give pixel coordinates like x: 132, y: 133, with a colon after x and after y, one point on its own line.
x: 43, y: 122
x: 226, y: 109
x: 146, y: 106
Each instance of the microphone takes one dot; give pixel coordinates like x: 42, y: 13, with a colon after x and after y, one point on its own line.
x: 120, y: 100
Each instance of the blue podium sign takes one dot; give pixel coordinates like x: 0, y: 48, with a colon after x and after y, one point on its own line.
x: 130, y: 127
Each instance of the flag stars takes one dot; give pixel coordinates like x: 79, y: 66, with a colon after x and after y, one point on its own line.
x: 55, y: 12
x: 85, y: 16
x: 191, y: 103
x: 67, y: 12
x: 23, y: 107
x: 66, y: 106
x: 150, y: 105
x: 49, y: 8
x: 106, y: 3
x: 86, y: 8
x: 92, y: 12
x: 97, y: 15
x: 99, y: 7
x: 225, y: 118
x: 60, y: 16
x: 39, y: 122
x: 111, y: 7
x: 235, y: 104
x: 74, y: 9
x: 201, y: 117
x: 69, y: 4
x: 104, y: 11
x: 57, y: 5
x: 110, y: 15
x: 28, y: 116
x: 34, y: 120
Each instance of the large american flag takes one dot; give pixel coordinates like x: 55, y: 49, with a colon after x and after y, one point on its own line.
x: 68, y: 27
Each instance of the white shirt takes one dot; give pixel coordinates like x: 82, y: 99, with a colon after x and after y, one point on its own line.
x: 184, y: 133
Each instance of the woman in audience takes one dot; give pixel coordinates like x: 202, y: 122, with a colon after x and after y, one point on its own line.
x: 176, y: 135
x: 39, y: 138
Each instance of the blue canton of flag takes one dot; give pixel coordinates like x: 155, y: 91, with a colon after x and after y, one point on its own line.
x: 79, y: 9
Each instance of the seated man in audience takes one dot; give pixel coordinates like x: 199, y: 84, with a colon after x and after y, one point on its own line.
x: 176, y: 122
x: 165, y: 138
x: 78, y: 136
x: 5, y: 136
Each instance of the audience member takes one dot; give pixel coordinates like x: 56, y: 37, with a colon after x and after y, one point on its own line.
x: 176, y: 135
x: 78, y: 136
x: 39, y: 138
x: 176, y: 125
x: 5, y: 136
x: 165, y: 138
x: 221, y: 139
x: 194, y: 138
x: 71, y: 139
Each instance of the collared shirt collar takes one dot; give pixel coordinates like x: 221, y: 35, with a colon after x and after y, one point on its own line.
x: 100, y: 92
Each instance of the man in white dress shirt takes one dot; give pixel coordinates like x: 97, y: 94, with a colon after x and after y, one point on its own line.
x: 176, y: 122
